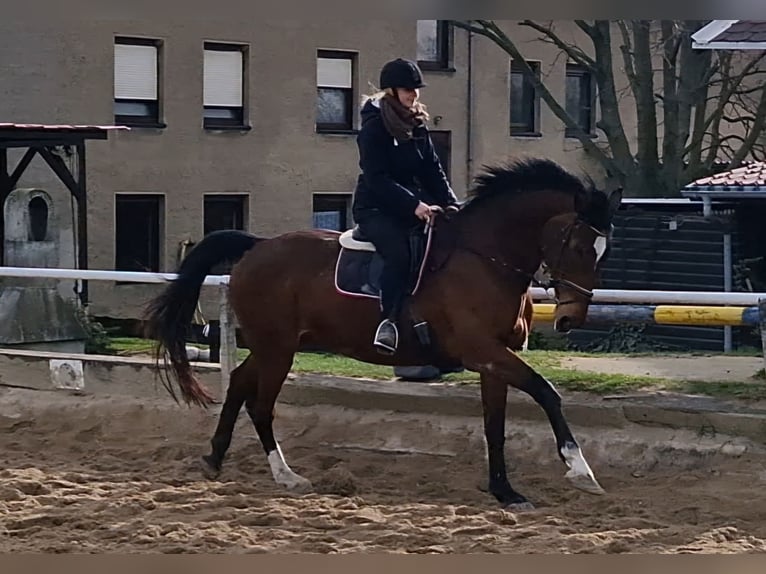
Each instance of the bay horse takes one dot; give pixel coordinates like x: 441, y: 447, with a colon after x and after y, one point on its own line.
x: 522, y: 221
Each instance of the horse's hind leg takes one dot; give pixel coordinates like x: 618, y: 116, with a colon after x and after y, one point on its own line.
x: 260, y: 408
x: 242, y: 384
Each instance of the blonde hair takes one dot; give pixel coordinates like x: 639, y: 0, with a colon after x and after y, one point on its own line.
x: 377, y: 94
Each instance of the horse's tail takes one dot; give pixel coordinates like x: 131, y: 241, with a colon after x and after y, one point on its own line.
x: 168, y: 316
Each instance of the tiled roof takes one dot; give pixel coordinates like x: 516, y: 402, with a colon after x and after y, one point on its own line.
x: 748, y: 177
x: 744, y: 31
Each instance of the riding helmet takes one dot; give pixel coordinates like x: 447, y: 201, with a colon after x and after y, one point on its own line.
x: 401, y: 73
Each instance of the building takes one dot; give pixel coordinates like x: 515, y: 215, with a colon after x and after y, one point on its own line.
x: 251, y: 124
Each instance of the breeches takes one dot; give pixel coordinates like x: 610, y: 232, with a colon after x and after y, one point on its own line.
x: 391, y: 241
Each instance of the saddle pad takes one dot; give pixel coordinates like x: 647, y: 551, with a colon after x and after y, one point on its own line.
x: 357, y: 273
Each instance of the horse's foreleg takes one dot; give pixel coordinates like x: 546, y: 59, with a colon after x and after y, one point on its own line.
x: 497, y: 362
x: 260, y: 408
x: 494, y: 393
x: 542, y: 391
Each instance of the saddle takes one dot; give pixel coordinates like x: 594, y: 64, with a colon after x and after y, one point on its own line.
x: 359, y: 265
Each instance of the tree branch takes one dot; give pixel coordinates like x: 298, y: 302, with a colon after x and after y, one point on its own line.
x: 587, y: 28
x: 471, y: 28
x: 755, y: 132
x: 572, y: 51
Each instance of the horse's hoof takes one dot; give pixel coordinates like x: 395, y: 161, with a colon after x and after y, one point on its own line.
x: 520, y: 506
x: 297, y: 484
x: 209, y: 468
x: 586, y: 483
x: 509, y: 498
x: 302, y: 486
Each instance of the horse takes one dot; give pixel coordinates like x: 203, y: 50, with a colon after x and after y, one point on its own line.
x: 524, y: 222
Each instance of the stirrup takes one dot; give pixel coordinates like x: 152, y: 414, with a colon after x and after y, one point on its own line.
x: 383, y: 345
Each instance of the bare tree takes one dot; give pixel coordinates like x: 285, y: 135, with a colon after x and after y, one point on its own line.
x: 696, y: 110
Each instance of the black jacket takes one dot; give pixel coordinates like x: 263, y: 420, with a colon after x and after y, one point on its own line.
x: 397, y: 175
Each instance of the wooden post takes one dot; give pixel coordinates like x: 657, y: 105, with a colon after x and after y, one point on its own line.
x: 82, y: 219
x: 762, y: 317
x: 228, y: 339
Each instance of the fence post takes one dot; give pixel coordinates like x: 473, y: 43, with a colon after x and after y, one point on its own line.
x: 762, y: 326
x: 228, y: 339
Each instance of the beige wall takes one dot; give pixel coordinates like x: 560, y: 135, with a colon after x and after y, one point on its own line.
x: 54, y: 75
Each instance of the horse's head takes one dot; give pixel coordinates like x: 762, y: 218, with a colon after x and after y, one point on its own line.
x: 574, y: 246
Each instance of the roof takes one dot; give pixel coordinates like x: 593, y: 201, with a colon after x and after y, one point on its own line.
x: 731, y: 35
x: 18, y: 135
x: 748, y: 181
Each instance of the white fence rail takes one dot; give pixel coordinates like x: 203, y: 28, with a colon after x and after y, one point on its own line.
x: 228, y: 350
x: 538, y: 293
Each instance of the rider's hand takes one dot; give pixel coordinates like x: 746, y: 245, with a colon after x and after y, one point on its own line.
x: 423, y: 211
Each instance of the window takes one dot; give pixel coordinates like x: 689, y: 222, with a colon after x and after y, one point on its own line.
x: 223, y: 85
x: 136, y: 84
x: 138, y: 229
x: 331, y: 211
x: 224, y: 212
x: 335, y: 92
x: 580, y: 98
x: 434, y: 40
x: 524, y: 101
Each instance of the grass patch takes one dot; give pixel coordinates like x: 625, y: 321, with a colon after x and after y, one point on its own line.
x: 547, y: 363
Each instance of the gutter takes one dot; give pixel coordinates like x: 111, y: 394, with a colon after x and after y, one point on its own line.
x: 707, y: 195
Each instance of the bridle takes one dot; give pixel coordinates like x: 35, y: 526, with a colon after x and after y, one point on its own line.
x: 544, y: 276
x: 550, y: 282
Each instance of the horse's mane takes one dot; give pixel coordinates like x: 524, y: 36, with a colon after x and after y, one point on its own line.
x: 535, y: 174
x: 523, y: 175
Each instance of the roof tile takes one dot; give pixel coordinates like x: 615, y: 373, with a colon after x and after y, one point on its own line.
x: 750, y: 175
x: 744, y: 31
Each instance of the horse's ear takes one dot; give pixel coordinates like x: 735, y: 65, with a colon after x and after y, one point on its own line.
x: 615, y: 198
x: 581, y: 201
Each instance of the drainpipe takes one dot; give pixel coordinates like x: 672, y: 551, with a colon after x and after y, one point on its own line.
x: 469, y: 115
x: 706, y: 206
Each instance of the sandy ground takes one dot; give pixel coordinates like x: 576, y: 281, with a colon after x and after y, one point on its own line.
x: 87, y: 474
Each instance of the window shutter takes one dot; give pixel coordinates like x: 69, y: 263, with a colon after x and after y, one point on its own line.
x: 135, y: 72
x: 222, y: 78
x: 333, y: 73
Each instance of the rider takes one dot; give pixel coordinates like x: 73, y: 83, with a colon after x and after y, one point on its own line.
x: 401, y: 183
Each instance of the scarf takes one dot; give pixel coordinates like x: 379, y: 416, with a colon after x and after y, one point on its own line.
x: 398, y: 119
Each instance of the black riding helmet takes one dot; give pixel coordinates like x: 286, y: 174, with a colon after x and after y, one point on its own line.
x: 401, y: 73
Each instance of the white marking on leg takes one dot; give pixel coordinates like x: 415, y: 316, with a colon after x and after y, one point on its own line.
x: 580, y: 473
x: 284, y: 475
